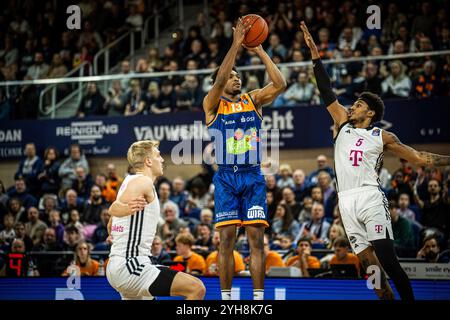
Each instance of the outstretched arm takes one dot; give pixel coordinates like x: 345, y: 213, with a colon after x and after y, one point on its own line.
x: 336, y: 110
x: 212, y: 98
x: 418, y: 158
x: 275, y: 87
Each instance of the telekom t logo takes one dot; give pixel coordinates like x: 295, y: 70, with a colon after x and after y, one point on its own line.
x: 378, y: 228
x: 356, y: 157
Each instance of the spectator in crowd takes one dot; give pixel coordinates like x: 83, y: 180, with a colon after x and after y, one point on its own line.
x: 67, y: 170
x: 166, y: 99
x: 71, y: 202
x: 82, y: 183
x: 316, y: 228
x: 435, y: 211
x: 206, y: 217
x: 86, y: 266
x: 300, y: 187
x: 329, y: 194
x: 399, y: 185
x: 39, y: 70
x: 48, y: 177
x: 93, y: 103
x: 195, y: 263
x: 19, y: 229
x: 403, y: 207
x: 113, y: 179
x: 322, y: 165
x: 203, y: 243
x: 35, y: 227
x: 20, y: 191
x: 431, y: 251
x: 72, y: 238
x: 114, y: 100
x: 74, y: 221
x: 159, y: 255
x: 29, y: 168
x: 300, y: 92
x: 101, y: 231
x: 135, y: 20
x: 151, y: 96
x: 212, y: 266
x: 57, y: 69
x: 305, y: 213
x: 271, y: 206
x: 423, y: 23
x: 108, y: 193
x: 17, y: 210
x: 273, y: 258
x: 171, y: 225
x: 48, y: 243
x: 94, y: 206
x: 55, y: 223
x: 285, y: 178
x: 403, y: 232
x: 271, y: 185
x: 135, y: 99
x: 179, y: 195
x: 8, y: 234
x: 164, y: 196
x: 289, y: 199
x: 49, y: 203
x: 342, y: 254
x: 153, y: 59
x: 317, y: 194
x: 284, y: 223
x: 9, y: 54
x: 125, y: 69
x: 397, y: 84
x: 199, y: 197
x: 304, y: 260
x: 3, y: 198
x: 90, y: 38
x: 427, y: 83
x: 276, y: 47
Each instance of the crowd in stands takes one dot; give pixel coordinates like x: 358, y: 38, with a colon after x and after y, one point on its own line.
x: 59, y: 205
x: 339, y: 28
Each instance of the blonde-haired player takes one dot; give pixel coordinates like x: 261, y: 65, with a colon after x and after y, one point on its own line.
x: 135, y: 215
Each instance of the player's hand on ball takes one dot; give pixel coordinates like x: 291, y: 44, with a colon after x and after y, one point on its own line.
x: 240, y: 31
x: 254, y: 49
x: 137, y: 204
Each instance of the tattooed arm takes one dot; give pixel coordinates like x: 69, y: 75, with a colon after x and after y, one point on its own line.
x: 418, y: 158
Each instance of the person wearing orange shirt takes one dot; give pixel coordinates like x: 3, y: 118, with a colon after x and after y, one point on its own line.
x: 211, y: 260
x: 303, y: 260
x: 86, y: 265
x: 273, y: 258
x: 196, y: 264
x: 341, y: 254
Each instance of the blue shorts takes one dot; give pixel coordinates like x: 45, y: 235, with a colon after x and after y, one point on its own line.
x: 240, y: 196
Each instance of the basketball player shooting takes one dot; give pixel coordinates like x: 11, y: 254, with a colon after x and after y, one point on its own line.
x: 234, y: 120
x: 358, y: 154
x: 132, y: 227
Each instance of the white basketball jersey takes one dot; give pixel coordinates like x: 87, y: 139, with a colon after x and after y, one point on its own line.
x: 358, y: 154
x: 133, y: 235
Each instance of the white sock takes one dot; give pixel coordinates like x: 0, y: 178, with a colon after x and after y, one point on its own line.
x: 258, y: 294
x: 226, y: 294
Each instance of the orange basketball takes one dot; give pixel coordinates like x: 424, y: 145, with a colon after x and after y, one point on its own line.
x: 258, y: 32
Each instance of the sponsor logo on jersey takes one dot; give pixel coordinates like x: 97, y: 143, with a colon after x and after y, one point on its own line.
x: 244, y: 100
x: 256, y: 212
x: 356, y: 157
x: 352, y: 239
x: 226, y: 214
x: 347, y: 131
x: 378, y: 228
x: 248, y: 119
x: 117, y: 228
x: 376, y: 132
x: 228, y: 122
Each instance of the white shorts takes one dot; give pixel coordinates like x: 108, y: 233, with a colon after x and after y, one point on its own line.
x: 365, y: 216
x: 132, y: 277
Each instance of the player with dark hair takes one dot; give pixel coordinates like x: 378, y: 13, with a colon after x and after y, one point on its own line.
x: 358, y: 154
x: 234, y: 121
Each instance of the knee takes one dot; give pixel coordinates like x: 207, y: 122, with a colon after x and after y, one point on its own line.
x: 198, y: 289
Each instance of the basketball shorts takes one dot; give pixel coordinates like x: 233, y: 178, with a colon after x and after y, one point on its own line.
x: 137, y: 278
x: 240, y: 196
x: 365, y: 216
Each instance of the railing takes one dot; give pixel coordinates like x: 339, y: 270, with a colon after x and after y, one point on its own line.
x: 54, y: 105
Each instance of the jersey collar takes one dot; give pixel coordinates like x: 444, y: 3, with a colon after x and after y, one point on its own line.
x: 229, y: 100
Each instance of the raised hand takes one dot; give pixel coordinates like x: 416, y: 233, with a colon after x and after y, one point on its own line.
x: 308, y: 38
x: 240, y: 31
